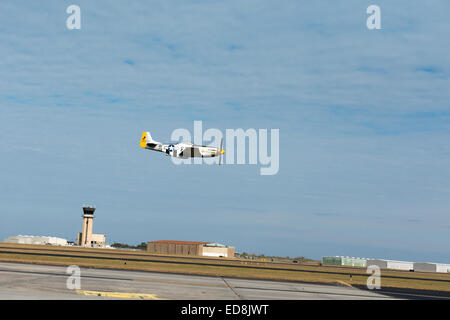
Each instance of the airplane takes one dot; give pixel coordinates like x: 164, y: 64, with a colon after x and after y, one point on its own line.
x: 181, y: 150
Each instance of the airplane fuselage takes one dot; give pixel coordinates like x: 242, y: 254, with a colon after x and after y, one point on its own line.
x: 184, y: 150
x: 180, y: 150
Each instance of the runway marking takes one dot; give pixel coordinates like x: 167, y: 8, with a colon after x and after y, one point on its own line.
x: 231, y: 288
x: 123, y: 295
x: 386, y: 293
x: 116, y: 278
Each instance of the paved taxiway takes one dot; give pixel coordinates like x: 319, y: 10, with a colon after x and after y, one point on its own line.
x: 31, y: 281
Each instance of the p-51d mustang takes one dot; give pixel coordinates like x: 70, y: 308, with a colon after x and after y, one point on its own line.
x: 181, y: 150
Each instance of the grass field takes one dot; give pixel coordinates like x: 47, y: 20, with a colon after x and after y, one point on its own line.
x: 141, y: 260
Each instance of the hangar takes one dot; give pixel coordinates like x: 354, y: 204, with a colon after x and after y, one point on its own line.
x: 431, y: 267
x: 387, y: 264
x: 36, y: 240
x: 190, y: 248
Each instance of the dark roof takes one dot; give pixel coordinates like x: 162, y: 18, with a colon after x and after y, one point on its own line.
x: 179, y: 242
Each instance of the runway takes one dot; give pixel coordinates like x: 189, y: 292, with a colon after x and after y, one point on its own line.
x: 31, y: 281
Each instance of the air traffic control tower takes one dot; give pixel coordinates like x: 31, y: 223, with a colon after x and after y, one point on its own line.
x: 86, y: 238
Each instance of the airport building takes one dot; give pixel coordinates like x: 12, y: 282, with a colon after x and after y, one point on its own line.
x: 431, y: 267
x: 217, y: 250
x: 387, y: 264
x: 332, y: 261
x: 400, y: 265
x: 441, y: 267
x: 344, y: 261
x: 43, y: 240
x: 353, y: 262
x: 382, y: 264
x: 190, y: 248
x: 424, y: 267
x: 86, y: 238
x: 391, y: 264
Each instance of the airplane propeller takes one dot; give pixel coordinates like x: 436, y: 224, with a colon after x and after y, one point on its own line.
x: 220, y: 152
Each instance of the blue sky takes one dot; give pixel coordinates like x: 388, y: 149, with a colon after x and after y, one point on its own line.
x: 363, y: 116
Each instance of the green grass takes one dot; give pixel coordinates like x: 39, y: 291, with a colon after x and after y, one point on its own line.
x: 219, y: 267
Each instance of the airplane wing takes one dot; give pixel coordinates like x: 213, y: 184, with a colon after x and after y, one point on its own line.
x: 190, y: 152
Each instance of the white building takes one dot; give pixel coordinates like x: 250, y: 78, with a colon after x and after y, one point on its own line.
x: 36, y: 240
x: 440, y: 267
x: 400, y: 265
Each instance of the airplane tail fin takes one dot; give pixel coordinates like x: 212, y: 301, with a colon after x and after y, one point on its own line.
x: 146, y: 138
